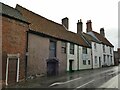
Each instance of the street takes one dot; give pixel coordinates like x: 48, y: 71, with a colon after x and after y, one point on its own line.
x: 107, y: 77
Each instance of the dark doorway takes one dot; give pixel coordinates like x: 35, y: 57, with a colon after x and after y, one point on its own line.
x: 99, y: 62
x: 71, y: 65
x: 12, y: 75
x: 52, y: 67
x: 52, y: 51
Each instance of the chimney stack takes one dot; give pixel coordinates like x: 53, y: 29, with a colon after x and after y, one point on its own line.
x: 102, y: 32
x: 65, y: 22
x: 79, y: 27
x: 89, y: 26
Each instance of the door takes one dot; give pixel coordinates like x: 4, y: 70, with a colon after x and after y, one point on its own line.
x: 99, y: 62
x: 71, y: 65
x: 12, y: 75
x: 52, y: 51
x: 52, y: 67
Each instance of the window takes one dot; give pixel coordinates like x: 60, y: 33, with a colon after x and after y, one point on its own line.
x: 52, y: 51
x: 63, y: 47
x: 71, y: 48
x: 95, y: 59
x: 111, y: 60
x: 84, y: 50
x: 95, y: 46
x: 103, y: 48
x: 84, y: 62
x: 110, y: 50
x: 88, y: 62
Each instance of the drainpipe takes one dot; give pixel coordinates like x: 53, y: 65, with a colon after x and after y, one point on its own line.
x: 91, y: 59
x: 26, y: 56
x: 78, y: 57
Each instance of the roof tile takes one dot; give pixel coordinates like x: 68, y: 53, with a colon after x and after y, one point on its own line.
x: 51, y: 28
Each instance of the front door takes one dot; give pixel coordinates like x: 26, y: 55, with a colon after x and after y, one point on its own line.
x: 12, y: 75
x: 99, y: 62
x: 52, y: 52
x: 70, y: 65
x: 52, y: 67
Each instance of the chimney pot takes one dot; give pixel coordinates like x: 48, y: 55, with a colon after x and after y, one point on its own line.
x: 102, y: 32
x: 80, y: 20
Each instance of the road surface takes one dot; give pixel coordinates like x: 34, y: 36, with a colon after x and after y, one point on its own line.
x: 108, y: 77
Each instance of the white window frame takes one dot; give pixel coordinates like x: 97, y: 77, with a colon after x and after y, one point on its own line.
x: 10, y: 56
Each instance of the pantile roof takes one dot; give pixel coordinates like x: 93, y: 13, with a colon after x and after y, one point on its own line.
x: 51, y: 28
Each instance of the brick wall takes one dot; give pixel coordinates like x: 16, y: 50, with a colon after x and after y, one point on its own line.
x: 13, y: 41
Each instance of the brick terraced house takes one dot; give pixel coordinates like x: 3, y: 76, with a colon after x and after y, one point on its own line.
x: 13, y: 36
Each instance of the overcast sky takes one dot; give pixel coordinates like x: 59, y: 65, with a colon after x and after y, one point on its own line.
x: 102, y: 13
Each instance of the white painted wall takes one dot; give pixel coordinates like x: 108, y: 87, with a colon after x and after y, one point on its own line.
x: 109, y: 55
x: 84, y: 57
x: 96, y: 52
x: 78, y: 58
x: 72, y: 57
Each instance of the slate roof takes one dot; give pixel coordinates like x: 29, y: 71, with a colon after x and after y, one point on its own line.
x: 90, y: 38
x: 42, y: 25
x: 102, y: 39
x: 11, y: 12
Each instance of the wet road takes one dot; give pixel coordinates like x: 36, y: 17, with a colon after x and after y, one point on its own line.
x: 97, y: 78
x: 91, y: 80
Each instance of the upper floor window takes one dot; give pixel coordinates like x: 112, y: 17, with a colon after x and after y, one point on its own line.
x: 63, y: 47
x: 52, y: 49
x: 95, y: 46
x: 84, y: 50
x: 71, y: 48
x: 110, y: 50
x: 103, y: 48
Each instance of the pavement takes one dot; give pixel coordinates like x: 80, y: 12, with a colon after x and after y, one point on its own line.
x: 112, y: 83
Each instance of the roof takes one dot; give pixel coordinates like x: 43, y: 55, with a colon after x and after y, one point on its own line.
x: 102, y: 39
x: 90, y: 38
x: 11, y: 12
x: 51, y: 28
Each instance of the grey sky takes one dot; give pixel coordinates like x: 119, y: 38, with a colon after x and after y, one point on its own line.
x: 103, y: 13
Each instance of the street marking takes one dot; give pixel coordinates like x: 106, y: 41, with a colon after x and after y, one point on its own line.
x: 85, y: 84
x: 57, y: 83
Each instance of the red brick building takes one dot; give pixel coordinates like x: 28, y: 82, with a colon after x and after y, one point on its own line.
x: 14, y: 33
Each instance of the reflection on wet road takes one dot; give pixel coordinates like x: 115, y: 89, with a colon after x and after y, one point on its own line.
x: 91, y: 80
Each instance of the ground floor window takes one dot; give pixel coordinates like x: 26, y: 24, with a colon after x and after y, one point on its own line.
x: 84, y: 62
x: 95, y: 59
x: 88, y: 62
